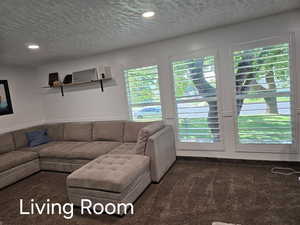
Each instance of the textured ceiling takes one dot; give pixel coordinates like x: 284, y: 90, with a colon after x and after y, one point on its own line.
x: 73, y: 28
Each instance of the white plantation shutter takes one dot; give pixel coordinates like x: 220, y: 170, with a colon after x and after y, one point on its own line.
x: 143, y: 93
x: 263, y: 95
x: 196, y: 100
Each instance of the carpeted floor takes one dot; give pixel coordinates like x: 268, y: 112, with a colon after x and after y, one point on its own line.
x: 193, y: 192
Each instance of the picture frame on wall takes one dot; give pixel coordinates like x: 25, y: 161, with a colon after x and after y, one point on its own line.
x: 5, y: 101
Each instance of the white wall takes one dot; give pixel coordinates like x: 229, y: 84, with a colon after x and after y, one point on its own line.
x: 25, y: 97
x: 90, y: 104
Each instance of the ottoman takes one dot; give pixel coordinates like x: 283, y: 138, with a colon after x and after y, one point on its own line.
x: 110, y: 179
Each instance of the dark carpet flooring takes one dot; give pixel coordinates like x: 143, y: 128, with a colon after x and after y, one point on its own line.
x: 193, y: 192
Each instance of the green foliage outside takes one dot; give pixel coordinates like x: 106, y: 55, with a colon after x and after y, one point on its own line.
x: 257, y: 124
x: 270, y: 69
x: 183, y: 83
x: 142, y: 85
x: 267, y: 61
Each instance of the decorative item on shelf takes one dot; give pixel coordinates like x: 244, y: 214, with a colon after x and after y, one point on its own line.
x: 5, y: 101
x: 57, y: 84
x: 68, y: 79
x: 52, y: 78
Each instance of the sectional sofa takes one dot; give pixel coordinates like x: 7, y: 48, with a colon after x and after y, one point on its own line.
x: 133, y: 150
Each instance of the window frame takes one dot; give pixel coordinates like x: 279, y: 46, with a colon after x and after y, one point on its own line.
x: 264, y: 147
x: 196, y: 146
x: 137, y: 66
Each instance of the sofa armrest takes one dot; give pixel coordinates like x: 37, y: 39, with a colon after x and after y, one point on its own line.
x: 162, y: 152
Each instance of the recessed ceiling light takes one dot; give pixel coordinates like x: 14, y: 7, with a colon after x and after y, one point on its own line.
x: 33, y: 46
x: 148, y: 14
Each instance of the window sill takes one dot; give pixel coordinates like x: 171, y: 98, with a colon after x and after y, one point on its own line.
x: 267, y: 148
x: 191, y: 146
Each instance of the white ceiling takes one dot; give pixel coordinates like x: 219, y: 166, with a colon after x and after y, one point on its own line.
x: 73, y: 28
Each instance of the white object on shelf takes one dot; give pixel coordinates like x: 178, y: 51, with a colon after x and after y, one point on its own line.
x: 85, y: 75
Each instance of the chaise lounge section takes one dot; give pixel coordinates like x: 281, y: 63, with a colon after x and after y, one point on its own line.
x: 110, y: 179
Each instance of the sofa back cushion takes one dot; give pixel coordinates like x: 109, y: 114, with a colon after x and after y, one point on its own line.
x: 108, y: 131
x: 55, y: 131
x: 144, y: 135
x: 20, y: 136
x: 131, y: 130
x: 78, y: 131
x: 6, y: 143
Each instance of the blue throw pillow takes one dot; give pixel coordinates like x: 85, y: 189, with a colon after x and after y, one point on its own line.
x: 37, y: 137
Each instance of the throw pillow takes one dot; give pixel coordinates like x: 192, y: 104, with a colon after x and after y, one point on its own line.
x: 37, y: 137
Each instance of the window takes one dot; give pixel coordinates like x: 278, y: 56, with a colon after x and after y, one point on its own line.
x: 196, y: 100
x: 143, y: 93
x: 263, y: 95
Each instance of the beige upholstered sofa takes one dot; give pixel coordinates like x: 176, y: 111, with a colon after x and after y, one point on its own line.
x: 75, y: 144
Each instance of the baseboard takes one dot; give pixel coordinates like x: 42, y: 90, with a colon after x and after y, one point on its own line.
x: 239, y: 161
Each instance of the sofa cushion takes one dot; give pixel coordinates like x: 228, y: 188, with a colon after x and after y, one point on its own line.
x: 62, y: 165
x: 20, y: 136
x: 144, y: 134
x: 60, y: 149
x: 77, y: 150
x: 37, y: 148
x: 92, y: 150
x: 113, y: 173
x: 131, y: 130
x: 81, y: 131
x: 15, y: 158
x: 37, y: 137
x: 6, y: 143
x: 125, y: 148
x: 108, y: 131
x: 55, y: 131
